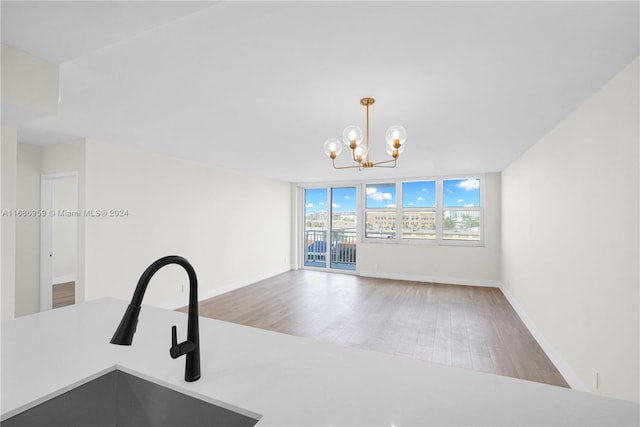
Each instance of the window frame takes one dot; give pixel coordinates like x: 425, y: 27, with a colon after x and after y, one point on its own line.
x: 301, y: 226
x: 365, y: 210
x: 403, y: 209
x: 439, y: 210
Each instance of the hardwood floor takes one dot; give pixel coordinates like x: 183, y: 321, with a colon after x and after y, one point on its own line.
x: 63, y: 294
x: 464, y: 326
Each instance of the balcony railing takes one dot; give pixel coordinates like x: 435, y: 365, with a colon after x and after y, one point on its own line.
x: 342, y: 249
x: 315, y: 251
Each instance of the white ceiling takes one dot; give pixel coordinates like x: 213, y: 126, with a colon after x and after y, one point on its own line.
x: 259, y: 86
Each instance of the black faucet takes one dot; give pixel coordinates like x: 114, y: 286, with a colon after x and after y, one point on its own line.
x: 190, y: 347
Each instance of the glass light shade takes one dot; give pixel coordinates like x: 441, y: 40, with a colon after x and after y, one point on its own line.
x: 360, y: 152
x: 332, y: 145
x: 352, y: 133
x: 396, y: 132
x: 390, y: 149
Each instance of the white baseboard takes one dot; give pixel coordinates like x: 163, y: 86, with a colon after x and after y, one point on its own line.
x: 184, y: 300
x: 433, y: 279
x: 563, y: 367
x: 63, y: 279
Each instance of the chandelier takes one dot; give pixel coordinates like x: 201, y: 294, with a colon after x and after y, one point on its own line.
x: 352, y: 138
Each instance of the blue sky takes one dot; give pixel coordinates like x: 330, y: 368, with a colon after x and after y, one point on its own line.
x: 315, y: 200
x: 461, y: 192
x: 419, y: 194
x: 343, y: 199
x: 381, y: 195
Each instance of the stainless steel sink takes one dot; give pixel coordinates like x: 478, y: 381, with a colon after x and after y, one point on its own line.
x: 119, y: 399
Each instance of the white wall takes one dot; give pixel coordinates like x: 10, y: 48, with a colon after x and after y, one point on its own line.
x: 442, y: 264
x: 29, y: 90
x: 233, y: 228
x: 29, y: 86
x: 8, y: 174
x: 570, y: 237
x: 28, y: 230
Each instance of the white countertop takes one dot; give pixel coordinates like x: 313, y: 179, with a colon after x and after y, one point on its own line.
x: 289, y: 381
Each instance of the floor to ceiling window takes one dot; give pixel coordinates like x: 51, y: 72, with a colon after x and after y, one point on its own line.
x: 343, y: 228
x: 316, y: 225
x: 330, y: 232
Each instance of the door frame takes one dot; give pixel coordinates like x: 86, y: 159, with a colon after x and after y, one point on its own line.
x: 302, y: 228
x: 46, y: 235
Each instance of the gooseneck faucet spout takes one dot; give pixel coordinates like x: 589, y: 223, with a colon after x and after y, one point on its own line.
x: 191, y: 347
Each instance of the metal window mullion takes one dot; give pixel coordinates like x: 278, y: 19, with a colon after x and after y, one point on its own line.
x: 327, y: 250
x: 398, y: 233
x: 439, y: 211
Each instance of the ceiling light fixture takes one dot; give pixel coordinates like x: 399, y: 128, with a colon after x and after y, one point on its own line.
x: 352, y: 138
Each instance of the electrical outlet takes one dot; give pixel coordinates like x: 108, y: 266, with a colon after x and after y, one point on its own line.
x: 595, y: 378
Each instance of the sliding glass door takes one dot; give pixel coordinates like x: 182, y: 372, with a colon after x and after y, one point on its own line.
x: 316, y: 226
x: 343, y: 228
x: 330, y: 232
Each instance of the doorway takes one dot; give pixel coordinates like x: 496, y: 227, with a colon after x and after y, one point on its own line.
x: 330, y: 228
x: 59, y: 240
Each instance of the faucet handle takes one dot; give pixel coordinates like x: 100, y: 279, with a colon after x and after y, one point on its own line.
x: 174, y: 336
x: 176, y: 349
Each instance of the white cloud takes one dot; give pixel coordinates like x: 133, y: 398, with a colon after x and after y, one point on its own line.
x: 371, y: 190
x: 309, y: 205
x: 470, y: 184
x: 335, y: 205
x: 469, y: 205
x: 347, y: 198
x: 424, y: 190
x: 410, y: 203
x: 420, y: 198
x: 460, y: 200
x: 321, y: 203
x: 391, y: 205
x: 378, y: 197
